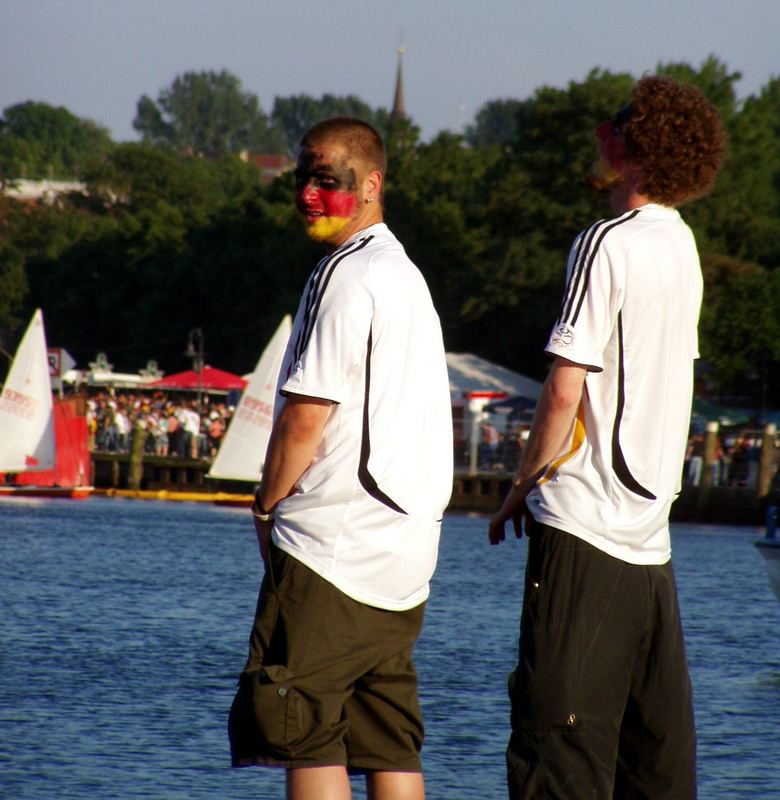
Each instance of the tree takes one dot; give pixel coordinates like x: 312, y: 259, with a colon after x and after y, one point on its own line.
x: 206, y: 112
x: 741, y: 217
x: 39, y: 140
x: 495, y: 123
x: 137, y: 176
x: 13, y: 284
x: 740, y: 324
x: 294, y: 115
x: 712, y: 77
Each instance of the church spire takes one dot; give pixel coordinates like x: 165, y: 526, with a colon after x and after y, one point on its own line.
x: 398, y: 112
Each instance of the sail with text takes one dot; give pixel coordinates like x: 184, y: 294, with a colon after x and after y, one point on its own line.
x: 26, y: 419
x: 243, y: 449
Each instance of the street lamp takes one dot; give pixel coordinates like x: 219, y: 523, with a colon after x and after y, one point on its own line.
x: 195, y: 352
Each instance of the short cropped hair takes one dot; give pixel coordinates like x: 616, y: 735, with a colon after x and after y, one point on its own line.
x: 676, y: 137
x: 360, y: 138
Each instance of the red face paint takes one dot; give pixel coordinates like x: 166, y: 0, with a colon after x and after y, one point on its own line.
x: 318, y: 201
x: 607, y: 172
x: 612, y: 146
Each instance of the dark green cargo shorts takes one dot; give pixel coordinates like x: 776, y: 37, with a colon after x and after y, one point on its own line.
x: 329, y: 681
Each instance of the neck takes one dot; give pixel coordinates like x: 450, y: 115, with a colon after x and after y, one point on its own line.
x: 626, y: 196
x: 372, y: 217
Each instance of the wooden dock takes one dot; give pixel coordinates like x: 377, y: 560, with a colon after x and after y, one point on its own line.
x: 186, y: 479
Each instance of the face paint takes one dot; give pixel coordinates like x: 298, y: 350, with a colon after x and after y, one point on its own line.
x: 608, y: 170
x: 325, y: 193
x: 602, y: 177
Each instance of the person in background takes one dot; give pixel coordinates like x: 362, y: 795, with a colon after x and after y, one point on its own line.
x: 356, y: 478
x: 601, y: 701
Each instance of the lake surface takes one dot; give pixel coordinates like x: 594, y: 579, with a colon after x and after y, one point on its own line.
x: 123, y: 627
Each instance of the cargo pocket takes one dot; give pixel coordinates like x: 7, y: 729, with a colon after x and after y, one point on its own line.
x: 267, y: 711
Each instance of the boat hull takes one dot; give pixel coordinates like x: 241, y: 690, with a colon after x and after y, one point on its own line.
x: 64, y: 492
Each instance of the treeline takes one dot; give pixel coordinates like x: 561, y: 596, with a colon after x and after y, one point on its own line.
x: 165, y: 241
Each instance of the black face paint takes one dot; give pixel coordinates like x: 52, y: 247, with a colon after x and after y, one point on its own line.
x: 313, y: 170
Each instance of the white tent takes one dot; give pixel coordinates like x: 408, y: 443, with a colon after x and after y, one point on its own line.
x: 470, y: 374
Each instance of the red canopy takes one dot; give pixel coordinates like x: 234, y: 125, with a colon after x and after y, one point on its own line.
x: 210, y: 378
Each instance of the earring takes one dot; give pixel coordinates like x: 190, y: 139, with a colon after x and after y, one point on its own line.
x: 369, y: 199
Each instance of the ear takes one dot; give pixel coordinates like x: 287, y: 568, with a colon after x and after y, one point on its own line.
x: 372, y: 185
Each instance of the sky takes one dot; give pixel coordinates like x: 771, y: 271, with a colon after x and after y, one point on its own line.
x: 98, y: 57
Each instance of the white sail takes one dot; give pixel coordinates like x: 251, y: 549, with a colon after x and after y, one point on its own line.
x: 243, y: 449
x: 26, y: 419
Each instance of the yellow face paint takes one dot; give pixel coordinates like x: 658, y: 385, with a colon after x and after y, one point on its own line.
x: 323, y: 228
x: 603, y: 177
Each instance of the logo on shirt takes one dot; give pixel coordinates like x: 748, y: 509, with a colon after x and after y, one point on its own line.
x: 563, y: 336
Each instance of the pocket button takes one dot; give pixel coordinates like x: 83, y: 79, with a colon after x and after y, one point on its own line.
x: 282, y: 691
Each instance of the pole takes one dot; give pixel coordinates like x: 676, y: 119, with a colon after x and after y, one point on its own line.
x: 710, y: 448
x: 766, y: 465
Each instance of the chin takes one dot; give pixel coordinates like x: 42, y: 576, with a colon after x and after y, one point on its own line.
x: 325, y: 228
x: 603, y: 178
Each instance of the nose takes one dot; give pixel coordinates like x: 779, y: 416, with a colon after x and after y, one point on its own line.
x: 307, y: 191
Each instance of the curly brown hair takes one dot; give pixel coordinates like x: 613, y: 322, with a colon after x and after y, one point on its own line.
x: 677, y: 138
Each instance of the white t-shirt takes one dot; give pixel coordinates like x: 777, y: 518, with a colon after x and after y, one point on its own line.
x: 366, y: 514
x: 629, y: 314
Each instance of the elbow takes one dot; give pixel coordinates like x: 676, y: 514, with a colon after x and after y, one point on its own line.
x: 563, y: 388
x: 300, y: 423
x: 563, y: 398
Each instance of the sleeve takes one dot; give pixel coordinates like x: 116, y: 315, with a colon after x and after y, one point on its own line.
x: 590, y: 303
x: 333, y: 342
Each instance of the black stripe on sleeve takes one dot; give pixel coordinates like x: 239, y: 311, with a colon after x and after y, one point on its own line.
x: 311, y: 292
x: 572, y: 319
x: 577, y: 270
x: 322, y: 284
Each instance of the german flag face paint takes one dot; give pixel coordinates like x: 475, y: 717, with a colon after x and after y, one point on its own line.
x: 326, y: 192
x: 608, y: 170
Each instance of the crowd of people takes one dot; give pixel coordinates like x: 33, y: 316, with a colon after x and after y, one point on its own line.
x: 171, y: 426
x: 735, y: 460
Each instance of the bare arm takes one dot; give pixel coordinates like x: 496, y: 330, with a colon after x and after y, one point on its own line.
x: 555, y: 410
x: 295, y: 437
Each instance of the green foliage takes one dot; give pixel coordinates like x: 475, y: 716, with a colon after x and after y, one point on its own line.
x: 165, y: 242
x: 495, y: 123
x: 39, y: 140
x: 137, y: 176
x: 13, y: 280
x: 714, y: 80
x: 294, y: 115
x: 205, y: 112
x: 740, y: 321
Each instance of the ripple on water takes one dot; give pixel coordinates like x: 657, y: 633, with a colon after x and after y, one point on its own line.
x: 124, y: 626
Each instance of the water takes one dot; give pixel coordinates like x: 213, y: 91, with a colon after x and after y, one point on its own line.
x: 123, y: 627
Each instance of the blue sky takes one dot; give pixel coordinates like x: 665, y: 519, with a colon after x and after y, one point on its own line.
x: 97, y: 57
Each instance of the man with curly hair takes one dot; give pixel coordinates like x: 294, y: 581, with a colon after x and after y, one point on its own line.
x: 601, y: 696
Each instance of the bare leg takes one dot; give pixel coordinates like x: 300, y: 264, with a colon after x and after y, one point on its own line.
x: 395, y: 786
x: 318, y: 783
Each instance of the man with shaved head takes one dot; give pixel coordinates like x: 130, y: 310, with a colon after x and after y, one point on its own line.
x: 357, y: 475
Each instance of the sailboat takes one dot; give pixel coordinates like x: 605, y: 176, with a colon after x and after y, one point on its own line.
x: 240, y: 457
x: 43, y: 443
